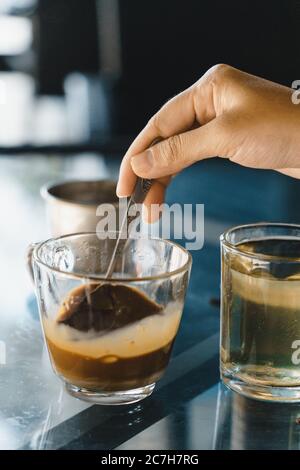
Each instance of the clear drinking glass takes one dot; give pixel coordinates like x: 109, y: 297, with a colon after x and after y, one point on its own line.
x: 260, y: 317
x: 110, y: 340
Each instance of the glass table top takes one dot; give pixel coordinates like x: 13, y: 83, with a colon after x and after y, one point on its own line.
x: 189, y: 408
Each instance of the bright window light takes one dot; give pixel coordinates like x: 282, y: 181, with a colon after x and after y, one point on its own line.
x: 7, y: 5
x: 15, y: 35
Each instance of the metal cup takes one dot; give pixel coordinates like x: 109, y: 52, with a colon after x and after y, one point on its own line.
x: 72, y: 205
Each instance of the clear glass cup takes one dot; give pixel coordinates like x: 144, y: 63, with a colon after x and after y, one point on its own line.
x: 110, y: 340
x: 260, y: 312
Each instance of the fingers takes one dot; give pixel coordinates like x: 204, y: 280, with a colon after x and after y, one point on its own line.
x: 176, y: 116
x: 179, y: 151
x: 155, y: 197
x: 196, y: 104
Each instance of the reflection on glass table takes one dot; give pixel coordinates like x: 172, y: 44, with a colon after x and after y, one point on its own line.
x: 220, y: 419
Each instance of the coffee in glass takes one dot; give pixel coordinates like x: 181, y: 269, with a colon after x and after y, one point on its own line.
x: 110, y: 340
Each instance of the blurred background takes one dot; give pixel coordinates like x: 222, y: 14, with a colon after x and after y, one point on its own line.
x: 79, y: 79
x: 91, y: 72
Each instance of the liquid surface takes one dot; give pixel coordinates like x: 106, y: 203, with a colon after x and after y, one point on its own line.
x: 112, y: 337
x: 261, y: 314
x: 278, y: 247
x: 105, y: 307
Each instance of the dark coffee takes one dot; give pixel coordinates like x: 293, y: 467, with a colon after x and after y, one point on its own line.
x: 111, y: 337
x: 106, y: 307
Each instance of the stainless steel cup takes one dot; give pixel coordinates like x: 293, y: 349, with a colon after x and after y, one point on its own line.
x: 72, y: 205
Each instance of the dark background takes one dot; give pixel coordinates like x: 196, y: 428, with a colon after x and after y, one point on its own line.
x: 160, y: 47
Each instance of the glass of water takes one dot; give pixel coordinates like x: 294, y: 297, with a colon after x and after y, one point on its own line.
x: 260, y: 313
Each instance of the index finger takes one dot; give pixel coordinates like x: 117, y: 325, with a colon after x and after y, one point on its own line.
x: 176, y: 116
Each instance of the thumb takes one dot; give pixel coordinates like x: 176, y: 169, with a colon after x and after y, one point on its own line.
x: 179, y: 151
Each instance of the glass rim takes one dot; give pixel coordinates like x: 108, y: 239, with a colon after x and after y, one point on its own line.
x: 80, y: 275
x: 224, y: 240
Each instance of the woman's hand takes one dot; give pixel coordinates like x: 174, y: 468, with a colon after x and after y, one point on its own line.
x: 227, y: 113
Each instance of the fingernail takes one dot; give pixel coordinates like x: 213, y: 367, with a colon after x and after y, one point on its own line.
x: 120, y: 192
x: 143, y: 162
